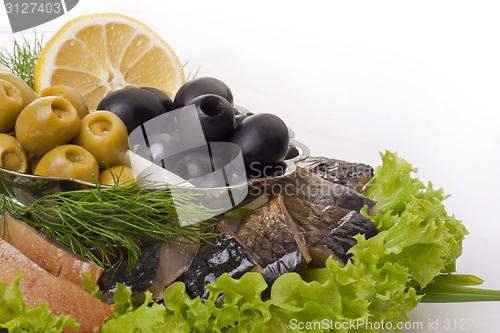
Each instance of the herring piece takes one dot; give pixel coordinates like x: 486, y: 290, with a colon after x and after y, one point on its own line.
x: 310, y: 187
x: 328, y: 229
x: 175, y: 258
x: 225, y: 255
x: 274, y: 239
x: 140, y: 277
x: 352, y: 175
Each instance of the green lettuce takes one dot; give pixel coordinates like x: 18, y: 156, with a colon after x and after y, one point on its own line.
x: 15, y: 317
x: 386, y: 278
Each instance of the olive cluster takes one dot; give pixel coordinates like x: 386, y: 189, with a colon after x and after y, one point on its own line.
x: 53, y: 134
x: 263, y: 138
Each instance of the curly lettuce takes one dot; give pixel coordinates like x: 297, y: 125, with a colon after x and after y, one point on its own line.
x: 418, y: 240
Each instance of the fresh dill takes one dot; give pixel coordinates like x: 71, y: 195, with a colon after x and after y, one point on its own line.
x: 98, y: 224
x: 21, y: 60
x: 190, y: 75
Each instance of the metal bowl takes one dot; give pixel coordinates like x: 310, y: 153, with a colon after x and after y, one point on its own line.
x: 31, y: 187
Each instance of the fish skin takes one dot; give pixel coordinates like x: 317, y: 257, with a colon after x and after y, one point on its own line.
x: 225, y: 255
x: 352, y: 175
x: 272, y: 237
x: 330, y: 226
x: 341, y: 239
x: 140, y: 277
x: 62, y: 296
x: 310, y: 187
x: 45, y: 252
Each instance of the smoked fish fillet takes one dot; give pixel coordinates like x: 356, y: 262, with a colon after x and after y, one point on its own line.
x: 10, y: 254
x: 62, y: 296
x: 45, y: 252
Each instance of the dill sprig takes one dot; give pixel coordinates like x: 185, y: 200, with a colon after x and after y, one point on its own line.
x: 98, y: 224
x: 22, y: 59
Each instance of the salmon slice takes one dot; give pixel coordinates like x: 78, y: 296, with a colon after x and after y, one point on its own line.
x: 45, y: 252
x: 62, y: 296
x: 10, y: 254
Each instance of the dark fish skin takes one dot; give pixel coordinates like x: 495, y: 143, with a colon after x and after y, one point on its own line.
x: 274, y: 239
x: 352, y: 175
x: 290, y: 262
x: 330, y: 226
x: 142, y: 274
x: 310, y: 187
x: 315, y: 221
x: 340, y: 239
x: 225, y: 255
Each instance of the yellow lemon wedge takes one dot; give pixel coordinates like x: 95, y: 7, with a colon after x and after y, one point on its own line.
x: 101, y: 53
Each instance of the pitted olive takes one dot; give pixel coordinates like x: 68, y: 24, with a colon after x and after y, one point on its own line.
x: 105, y: 136
x: 216, y: 116
x: 68, y: 161
x: 26, y: 92
x: 69, y: 93
x: 123, y: 175
x: 33, y: 160
x: 12, y: 155
x: 46, y: 123
x: 11, y: 104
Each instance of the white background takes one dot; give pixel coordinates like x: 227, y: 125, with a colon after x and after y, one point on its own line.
x: 355, y: 78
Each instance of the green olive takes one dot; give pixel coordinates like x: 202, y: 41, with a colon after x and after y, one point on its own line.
x: 45, y: 123
x: 123, y: 174
x: 71, y: 94
x: 12, y: 155
x: 33, y: 160
x: 26, y: 91
x: 105, y: 136
x: 11, y: 104
x: 68, y: 161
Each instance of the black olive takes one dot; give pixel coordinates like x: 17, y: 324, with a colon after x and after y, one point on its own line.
x: 263, y: 139
x: 164, y: 98
x: 292, y: 152
x: 216, y: 117
x: 201, y: 86
x: 239, y: 118
x: 134, y: 106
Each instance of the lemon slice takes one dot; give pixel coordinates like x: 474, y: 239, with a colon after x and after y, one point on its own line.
x: 98, y: 54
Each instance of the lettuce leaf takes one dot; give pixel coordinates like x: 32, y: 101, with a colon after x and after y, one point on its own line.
x: 417, y: 242
x: 16, y: 317
x: 127, y: 317
x: 418, y: 233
